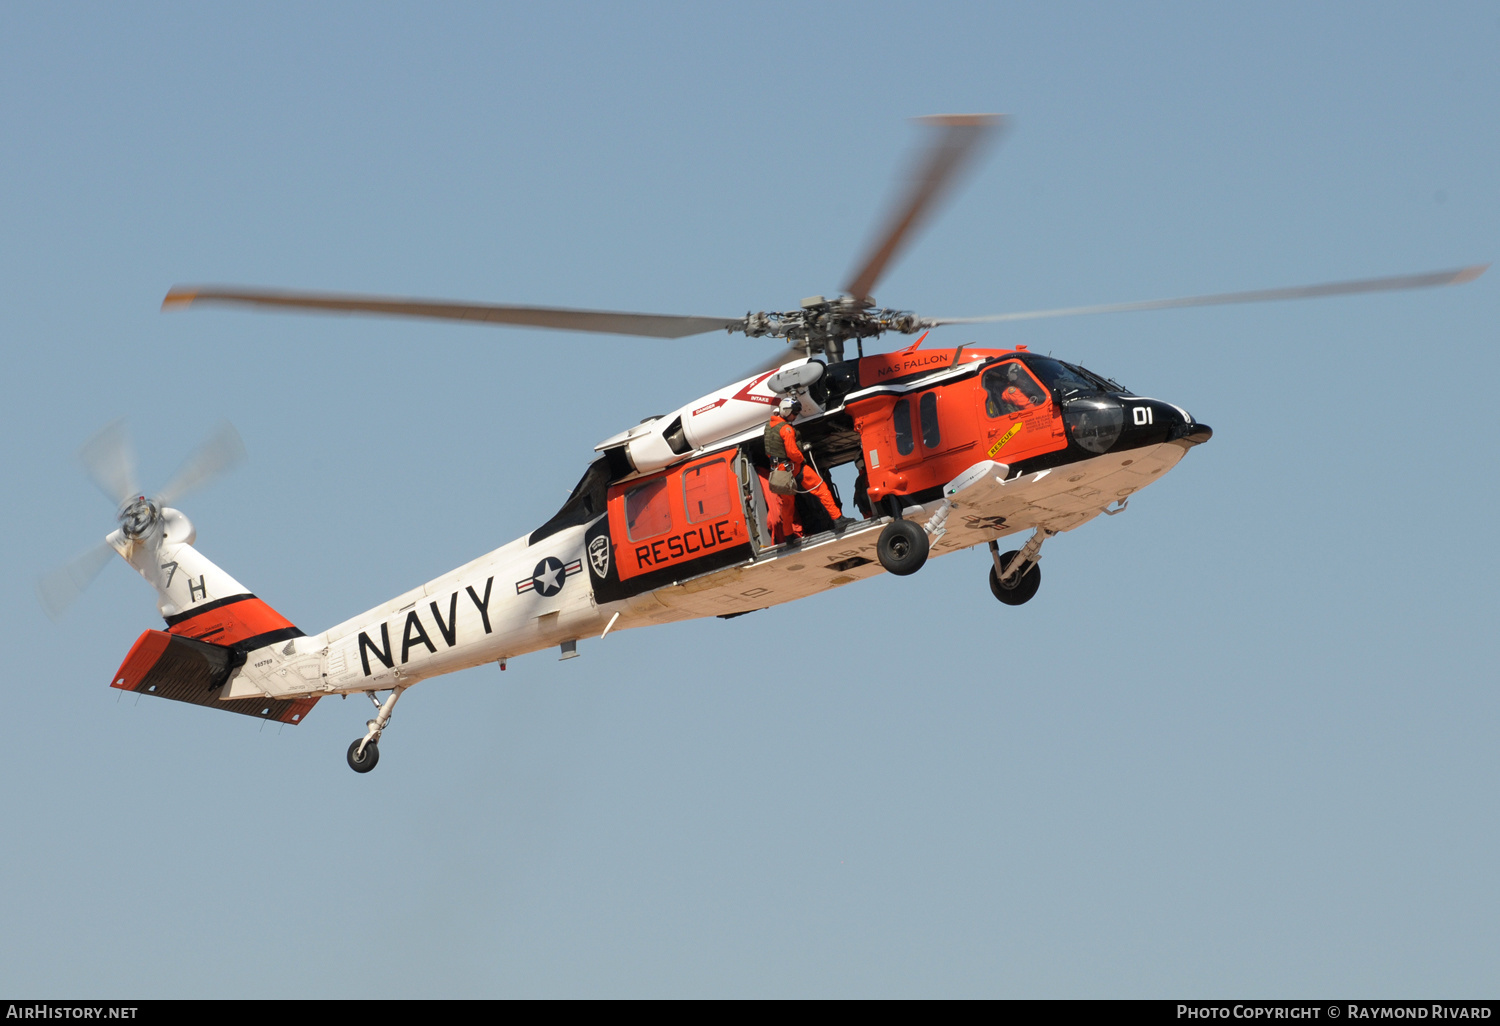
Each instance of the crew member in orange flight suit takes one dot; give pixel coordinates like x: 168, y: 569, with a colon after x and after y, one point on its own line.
x: 782, y: 450
x: 1013, y: 395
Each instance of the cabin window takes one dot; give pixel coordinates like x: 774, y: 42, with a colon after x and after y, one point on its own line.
x: 647, y: 512
x: 927, y: 414
x: 1009, y: 389
x: 901, y: 420
x: 707, y: 491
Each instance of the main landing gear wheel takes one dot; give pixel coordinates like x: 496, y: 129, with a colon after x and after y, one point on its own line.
x: 1022, y: 587
x: 373, y: 730
x: 902, y: 547
x: 365, y: 763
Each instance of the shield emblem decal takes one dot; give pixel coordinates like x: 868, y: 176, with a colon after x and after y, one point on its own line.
x: 599, y: 556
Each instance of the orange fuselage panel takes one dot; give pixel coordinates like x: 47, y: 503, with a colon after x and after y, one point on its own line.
x: 918, y: 440
x: 676, y: 517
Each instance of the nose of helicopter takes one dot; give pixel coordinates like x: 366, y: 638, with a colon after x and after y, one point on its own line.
x: 1151, y: 421
x: 1197, y: 434
x: 1181, y: 425
x: 1112, y: 423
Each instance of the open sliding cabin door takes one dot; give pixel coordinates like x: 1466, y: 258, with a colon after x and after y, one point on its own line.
x: 753, y: 500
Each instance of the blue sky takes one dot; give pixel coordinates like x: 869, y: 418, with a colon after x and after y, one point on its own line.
x: 1241, y: 742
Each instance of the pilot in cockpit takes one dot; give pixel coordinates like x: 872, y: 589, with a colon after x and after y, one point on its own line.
x: 1016, y: 392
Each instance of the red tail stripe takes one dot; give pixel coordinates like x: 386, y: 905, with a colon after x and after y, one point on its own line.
x: 232, y: 623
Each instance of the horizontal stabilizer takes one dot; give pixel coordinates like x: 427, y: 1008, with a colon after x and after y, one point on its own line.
x: 186, y: 670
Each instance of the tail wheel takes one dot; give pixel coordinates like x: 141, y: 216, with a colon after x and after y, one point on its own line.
x: 363, y: 763
x: 902, y: 547
x: 1022, y: 587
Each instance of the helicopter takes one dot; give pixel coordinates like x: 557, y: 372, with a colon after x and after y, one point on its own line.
x: 676, y: 518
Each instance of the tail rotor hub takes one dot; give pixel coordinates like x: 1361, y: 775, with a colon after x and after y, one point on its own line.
x: 138, y: 517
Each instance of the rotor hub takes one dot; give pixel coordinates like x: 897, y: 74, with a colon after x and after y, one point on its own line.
x: 138, y: 517
x: 824, y: 325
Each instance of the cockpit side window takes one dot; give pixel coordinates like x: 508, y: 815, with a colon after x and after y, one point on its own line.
x: 1010, y: 389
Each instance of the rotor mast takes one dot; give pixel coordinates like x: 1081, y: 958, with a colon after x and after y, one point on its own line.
x: 824, y: 325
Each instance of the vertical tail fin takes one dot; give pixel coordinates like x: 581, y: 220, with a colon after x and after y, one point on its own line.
x: 213, y: 622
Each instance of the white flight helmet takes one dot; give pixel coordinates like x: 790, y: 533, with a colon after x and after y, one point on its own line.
x: 789, y: 407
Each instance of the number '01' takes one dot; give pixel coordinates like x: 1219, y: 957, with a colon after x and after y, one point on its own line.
x: 1142, y: 415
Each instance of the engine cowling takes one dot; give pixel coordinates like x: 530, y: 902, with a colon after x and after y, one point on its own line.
x: 662, y: 441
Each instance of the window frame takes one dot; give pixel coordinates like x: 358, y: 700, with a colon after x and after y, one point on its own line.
x: 730, y: 492
x: 900, y: 413
x: 927, y: 420
x: 660, y: 484
x: 992, y: 400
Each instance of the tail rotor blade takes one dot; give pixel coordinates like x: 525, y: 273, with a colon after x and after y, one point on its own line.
x: 109, y: 457
x: 61, y: 588
x: 222, y: 451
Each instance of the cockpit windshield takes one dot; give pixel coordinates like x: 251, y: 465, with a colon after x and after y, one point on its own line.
x: 1107, y: 384
x: 1069, y: 379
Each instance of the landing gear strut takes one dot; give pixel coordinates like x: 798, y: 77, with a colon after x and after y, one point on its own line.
x: 364, y: 753
x: 1015, y: 576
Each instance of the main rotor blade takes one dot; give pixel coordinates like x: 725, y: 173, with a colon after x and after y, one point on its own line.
x: 61, y: 588
x: 109, y: 459
x: 222, y: 451
x: 1335, y: 288
x: 952, y: 151
x: 606, y: 321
